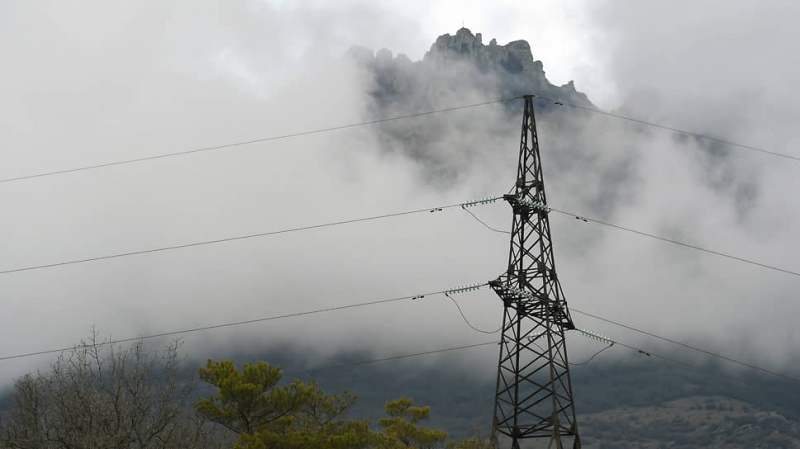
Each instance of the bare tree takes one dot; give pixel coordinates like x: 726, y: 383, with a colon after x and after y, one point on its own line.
x: 99, y: 395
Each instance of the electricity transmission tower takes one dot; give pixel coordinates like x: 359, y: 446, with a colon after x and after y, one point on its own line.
x: 534, y: 393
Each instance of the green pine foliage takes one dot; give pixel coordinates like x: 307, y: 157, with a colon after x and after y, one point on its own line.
x: 301, y: 415
x: 401, y: 424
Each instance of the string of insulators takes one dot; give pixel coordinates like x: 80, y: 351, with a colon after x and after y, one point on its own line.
x: 464, y: 289
x: 480, y: 202
x: 533, y: 204
x: 519, y: 292
x: 596, y: 336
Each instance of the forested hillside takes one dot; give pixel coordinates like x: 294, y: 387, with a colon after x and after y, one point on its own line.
x: 640, y: 403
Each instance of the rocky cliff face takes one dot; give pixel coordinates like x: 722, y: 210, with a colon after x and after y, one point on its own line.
x: 462, y: 64
x: 515, y: 57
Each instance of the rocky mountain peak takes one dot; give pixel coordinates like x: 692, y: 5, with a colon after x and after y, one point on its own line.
x: 462, y: 62
x: 516, y: 56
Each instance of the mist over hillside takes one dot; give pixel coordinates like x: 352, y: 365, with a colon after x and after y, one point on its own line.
x: 458, y: 70
x: 636, y: 402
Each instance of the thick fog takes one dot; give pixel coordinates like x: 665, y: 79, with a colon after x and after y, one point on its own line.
x: 101, y: 83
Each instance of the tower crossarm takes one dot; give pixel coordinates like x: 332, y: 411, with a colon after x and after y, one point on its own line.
x: 523, y: 205
x: 533, y: 303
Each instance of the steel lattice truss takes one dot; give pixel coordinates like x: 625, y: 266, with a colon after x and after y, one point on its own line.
x: 534, y: 392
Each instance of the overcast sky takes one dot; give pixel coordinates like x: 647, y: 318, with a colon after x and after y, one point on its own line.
x: 101, y: 82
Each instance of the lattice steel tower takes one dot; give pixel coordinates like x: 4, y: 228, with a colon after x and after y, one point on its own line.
x: 534, y: 392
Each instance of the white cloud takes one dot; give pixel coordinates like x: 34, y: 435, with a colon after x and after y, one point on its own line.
x: 97, y: 83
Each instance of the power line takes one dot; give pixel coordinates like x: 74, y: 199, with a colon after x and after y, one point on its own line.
x: 584, y: 218
x: 649, y: 354
x: 475, y: 345
x: 592, y: 357
x: 464, y: 317
x: 456, y: 348
x: 676, y: 242
x: 673, y: 129
x: 256, y: 320
x: 368, y: 362
x: 235, y: 323
x: 227, y: 239
x: 386, y: 301
x: 685, y: 345
x: 610, y: 343
x: 669, y: 359
x: 387, y: 359
x: 378, y: 217
x: 249, y: 142
x: 377, y: 121
x: 484, y: 223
